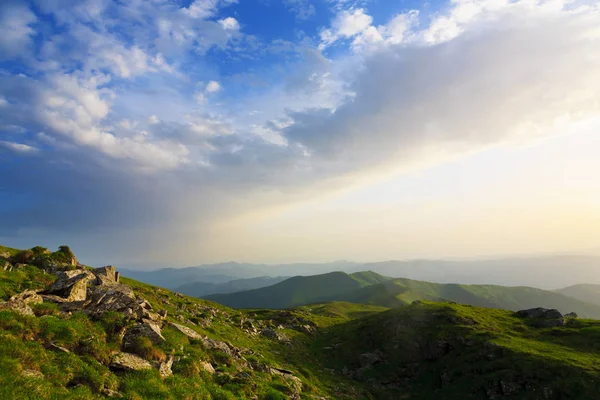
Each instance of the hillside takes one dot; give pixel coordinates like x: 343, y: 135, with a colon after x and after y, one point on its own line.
x: 68, y: 331
x: 200, y: 289
x: 399, y: 292
x: 584, y: 292
x: 300, y: 290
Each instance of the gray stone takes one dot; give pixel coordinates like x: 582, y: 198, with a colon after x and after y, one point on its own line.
x: 192, y: 334
x: 106, y: 275
x: 164, y: 369
x: 572, y: 315
x: 206, y: 366
x: 129, y: 362
x: 149, y: 330
x: 543, y: 317
x: 116, y: 297
x: 71, y: 285
x: 27, y: 297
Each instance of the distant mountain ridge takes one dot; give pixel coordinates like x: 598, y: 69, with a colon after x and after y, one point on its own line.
x: 376, y: 289
x: 301, y: 290
x: 199, y: 289
x: 585, y: 292
x: 545, y: 272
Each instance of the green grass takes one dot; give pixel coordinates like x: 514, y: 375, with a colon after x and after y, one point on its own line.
x: 431, y: 350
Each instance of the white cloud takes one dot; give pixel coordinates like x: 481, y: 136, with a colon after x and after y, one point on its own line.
x: 18, y: 147
x: 213, y: 87
x: 230, y: 24
x: 153, y: 120
x: 346, y: 24
x: 16, y: 32
x: 303, y: 9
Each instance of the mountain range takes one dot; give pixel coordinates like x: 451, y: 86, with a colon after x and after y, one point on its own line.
x: 368, y: 287
x: 544, y: 272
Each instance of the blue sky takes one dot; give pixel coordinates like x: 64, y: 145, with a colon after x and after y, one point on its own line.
x: 132, y: 126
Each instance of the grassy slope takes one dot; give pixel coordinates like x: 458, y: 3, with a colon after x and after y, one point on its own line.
x: 82, y: 373
x: 488, y: 348
x: 585, y: 292
x: 299, y: 290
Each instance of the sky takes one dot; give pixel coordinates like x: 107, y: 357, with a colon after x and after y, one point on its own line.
x: 164, y: 132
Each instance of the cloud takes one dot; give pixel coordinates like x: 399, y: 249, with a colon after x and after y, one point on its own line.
x: 17, y: 147
x: 128, y: 156
x: 16, y: 31
x: 213, y: 87
x: 303, y: 9
x: 230, y: 24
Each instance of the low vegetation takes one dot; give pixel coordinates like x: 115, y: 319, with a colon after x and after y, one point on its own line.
x: 175, y: 347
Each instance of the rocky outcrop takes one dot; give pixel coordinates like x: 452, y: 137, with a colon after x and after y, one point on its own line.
x: 293, y: 380
x: 71, y: 285
x: 114, y: 297
x: 5, y: 265
x: 543, y: 317
x: 571, y: 315
x: 128, y: 362
x: 206, y: 366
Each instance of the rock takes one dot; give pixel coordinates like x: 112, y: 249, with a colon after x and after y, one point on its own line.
x: 5, y: 265
x: 192, y: 334
x: 296, y: 383
x: 509, y: 388
x: 27, y: 297
x: 571, y: 315
x: 116, y: 297
x: 110, y: 393
x: 32, y: 373
x: 20, y: 302
x: 71, y: 285
x: 144, y: 329
x: 106, y: 275
x: 207, y: 367
x: 164, y: 369
x: 23, y: 257
x: 543, y: 317
x: 55, y: 347
x: 129, y: 362
x: 368, y: 359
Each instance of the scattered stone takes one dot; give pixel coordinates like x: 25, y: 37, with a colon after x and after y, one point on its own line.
x: 296, y: 383
x: 55, y: 347
x: 27, y: 297
x: 32, y: 373
x: 164, y: 369
x: 129, y: 362
x: 192, y: 334
x: 110, y: 393
x: 207, y: 367
x: 367, y: 360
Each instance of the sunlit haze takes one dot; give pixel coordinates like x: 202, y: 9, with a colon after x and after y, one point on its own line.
x: 177, y: 133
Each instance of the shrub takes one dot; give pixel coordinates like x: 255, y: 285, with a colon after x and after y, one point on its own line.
x: 23, y: 257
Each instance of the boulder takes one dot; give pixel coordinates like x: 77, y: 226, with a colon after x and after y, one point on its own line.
x: 17, y: 306
x: 27, y: 297
x: 129, y: 362
x: 543, y: 317
x: 192, y: 334
x: 71, y: 285
x: 366, y: 360
x: 106, y: 275
x: 294, y: 381
x: 144, y: 329
x: 116, y: 297
x: 571, y: 315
